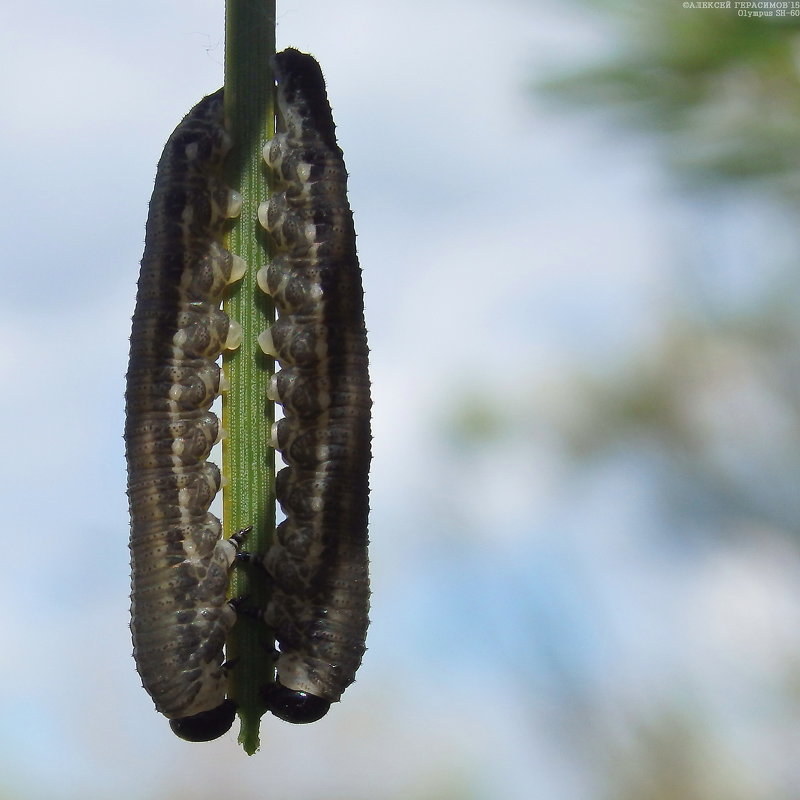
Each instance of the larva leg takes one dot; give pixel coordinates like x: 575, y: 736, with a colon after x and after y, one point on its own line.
x: 291, y: 705
x: 211, y: 724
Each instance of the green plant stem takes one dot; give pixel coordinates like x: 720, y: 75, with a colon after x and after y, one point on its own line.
x: 248, y: 461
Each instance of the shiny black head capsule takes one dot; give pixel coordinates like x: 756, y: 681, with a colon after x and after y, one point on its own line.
x: 206, y: 725
x: 291, y: 705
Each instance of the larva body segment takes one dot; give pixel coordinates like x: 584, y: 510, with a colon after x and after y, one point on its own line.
x: 318, y: 563
x: 180, y: 614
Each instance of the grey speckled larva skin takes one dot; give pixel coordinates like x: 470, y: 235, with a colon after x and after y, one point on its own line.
x: 318, y: 563
x: 180, y: 563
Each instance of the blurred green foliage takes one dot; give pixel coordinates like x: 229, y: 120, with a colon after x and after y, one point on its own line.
x: 721, y: 91
x: 710, y: 402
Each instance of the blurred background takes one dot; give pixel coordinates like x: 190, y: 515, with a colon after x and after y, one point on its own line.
x: 578, y: 227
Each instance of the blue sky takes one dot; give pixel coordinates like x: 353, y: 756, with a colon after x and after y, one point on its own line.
x: 500, y: 243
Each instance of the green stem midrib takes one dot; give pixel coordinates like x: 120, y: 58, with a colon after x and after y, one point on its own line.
x: 248, y: 461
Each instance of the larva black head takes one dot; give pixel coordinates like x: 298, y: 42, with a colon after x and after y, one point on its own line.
x: 206, y: 725
x: 294, y: 706
x: 300, y: 81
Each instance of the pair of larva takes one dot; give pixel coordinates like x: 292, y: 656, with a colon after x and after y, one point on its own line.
x: 318, y: 563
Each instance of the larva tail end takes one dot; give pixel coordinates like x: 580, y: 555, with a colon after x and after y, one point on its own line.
x: 294, y: 706
x: 206, y: 725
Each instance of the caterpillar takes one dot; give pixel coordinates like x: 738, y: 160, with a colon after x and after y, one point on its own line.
x: 179, y: 561
x: 318, y: 563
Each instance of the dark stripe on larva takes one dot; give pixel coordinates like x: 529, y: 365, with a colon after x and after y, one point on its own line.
x: 318, y: 564
x: 180, y: 563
